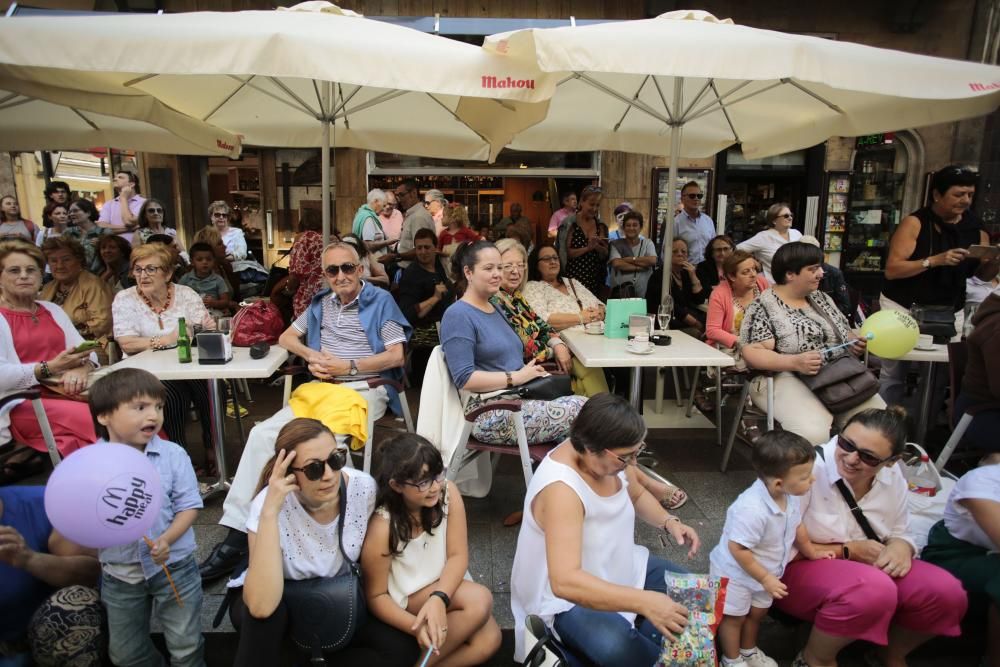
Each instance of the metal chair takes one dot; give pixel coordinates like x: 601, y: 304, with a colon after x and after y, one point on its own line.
x: 292, y: 370
x: 746, y: 376
x: 957, y: 358
x: 35, y: 396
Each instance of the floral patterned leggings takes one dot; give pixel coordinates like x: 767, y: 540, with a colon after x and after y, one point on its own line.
x: 544, y: 421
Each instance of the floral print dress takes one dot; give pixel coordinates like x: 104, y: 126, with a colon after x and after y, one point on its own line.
x: 533, y: 331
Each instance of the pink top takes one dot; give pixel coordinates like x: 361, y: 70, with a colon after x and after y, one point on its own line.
x: 557, y: 218
x: 392, y: 225
x: 35, y: 341
x: 461, y: 236
x: 722, y: 313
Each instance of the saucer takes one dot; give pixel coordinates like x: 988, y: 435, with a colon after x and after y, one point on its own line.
x: 594, y: 331
x: 930, y: 348
x: 646, y: 350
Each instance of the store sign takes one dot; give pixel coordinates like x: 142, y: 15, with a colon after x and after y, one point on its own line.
x: 875, y: 139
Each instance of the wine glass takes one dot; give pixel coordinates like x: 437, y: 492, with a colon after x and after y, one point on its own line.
x: 664, y: 311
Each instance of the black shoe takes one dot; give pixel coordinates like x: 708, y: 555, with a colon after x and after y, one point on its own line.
x: 223, y: 560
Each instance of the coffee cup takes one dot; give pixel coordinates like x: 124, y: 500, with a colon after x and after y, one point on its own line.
x: 925, y: 342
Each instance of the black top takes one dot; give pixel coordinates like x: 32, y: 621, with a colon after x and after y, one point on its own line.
x: 707, y: 274
x: 416, y: 285
x: 940, y: 285
x: 685, y: 300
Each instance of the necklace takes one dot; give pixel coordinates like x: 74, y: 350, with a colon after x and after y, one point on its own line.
x: 17, y: 309
x: 159, y: 311
x: 61, y: 295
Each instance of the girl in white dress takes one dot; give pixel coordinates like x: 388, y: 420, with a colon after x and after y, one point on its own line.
x: 416, y: 556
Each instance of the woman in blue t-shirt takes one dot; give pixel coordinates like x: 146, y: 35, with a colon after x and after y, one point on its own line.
x: 485, y: 356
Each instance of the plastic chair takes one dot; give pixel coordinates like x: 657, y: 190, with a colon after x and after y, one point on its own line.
x: 958, y: 354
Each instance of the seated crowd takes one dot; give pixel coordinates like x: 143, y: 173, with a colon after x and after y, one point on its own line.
x: 305, y: 529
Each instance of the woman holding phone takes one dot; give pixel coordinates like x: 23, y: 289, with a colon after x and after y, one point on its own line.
x: 38, y: 347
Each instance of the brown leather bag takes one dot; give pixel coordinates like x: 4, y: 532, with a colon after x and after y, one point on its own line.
x: 843, y: 383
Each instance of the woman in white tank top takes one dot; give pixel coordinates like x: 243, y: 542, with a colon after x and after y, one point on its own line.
x: 577, y: 565
x: 416, y: 558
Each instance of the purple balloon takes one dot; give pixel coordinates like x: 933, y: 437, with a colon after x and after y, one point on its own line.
x: 104, y: 495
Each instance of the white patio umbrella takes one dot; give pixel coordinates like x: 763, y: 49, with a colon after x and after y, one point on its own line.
x: 293, y: 78
x: 40, y: 117
x: 688, y: 84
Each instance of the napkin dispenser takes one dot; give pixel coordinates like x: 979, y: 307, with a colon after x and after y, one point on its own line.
x: 640, y: 324
x: 214, y: 348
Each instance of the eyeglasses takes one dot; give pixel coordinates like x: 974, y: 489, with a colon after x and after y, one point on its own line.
x: 153, y: 209
x: 511, y: 267
x: 694, y: 195
x: 786, y: 216
x: 147, y: 270
x: 722, y: 248
x: 866, y: 457
x: 314, y: 471
x: 424, y: 485
x: 631, y: 459
x: 220, y: 215
x: 549, y: 258
x: 333, y: 270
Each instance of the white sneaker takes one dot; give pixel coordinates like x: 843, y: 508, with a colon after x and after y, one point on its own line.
x: 759, y: 659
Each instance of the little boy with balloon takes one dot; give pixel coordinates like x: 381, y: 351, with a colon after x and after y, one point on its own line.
x: 136, y: 502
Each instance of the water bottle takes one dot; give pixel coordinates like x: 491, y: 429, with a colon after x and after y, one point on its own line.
x: 183, y: 342
x: 925, y: 480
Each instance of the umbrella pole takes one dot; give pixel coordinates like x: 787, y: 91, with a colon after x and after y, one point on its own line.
x: 325, y: 163
x: 675, y: 149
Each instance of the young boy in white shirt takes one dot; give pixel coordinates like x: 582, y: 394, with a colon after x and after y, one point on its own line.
x: 761, y: 527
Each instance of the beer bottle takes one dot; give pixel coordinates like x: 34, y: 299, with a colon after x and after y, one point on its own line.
x: 183, y: 343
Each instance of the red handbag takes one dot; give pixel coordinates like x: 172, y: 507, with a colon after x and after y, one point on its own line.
x: 260, y: 322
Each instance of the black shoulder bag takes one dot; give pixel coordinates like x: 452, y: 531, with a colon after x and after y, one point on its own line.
x: 852, y: 504
x: 325, y: 612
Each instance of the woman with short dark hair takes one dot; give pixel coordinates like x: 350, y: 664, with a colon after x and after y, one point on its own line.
x: 711, y: 271
x: 787, y: 331
x: 577, y: 565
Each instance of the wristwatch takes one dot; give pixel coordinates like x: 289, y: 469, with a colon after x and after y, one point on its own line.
x: 926, y: 263
x: 845, y: 552
x: 510, y: 380
x: 354, y: 368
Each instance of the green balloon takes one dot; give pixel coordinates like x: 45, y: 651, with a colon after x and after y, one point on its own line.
x: 891, y: 334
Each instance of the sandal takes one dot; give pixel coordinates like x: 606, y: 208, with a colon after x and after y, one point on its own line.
x: 208, y: 468
x: 15, y: 471
x: 676, y: 498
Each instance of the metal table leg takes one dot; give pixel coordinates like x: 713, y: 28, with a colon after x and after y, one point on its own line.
x: 216, y: 408
x: 923, y: 419
x: 718, y: 405
x: 635, y: 392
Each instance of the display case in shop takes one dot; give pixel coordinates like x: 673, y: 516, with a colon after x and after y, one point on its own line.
x: 874, y: 205
x: 665, y: 198
x: 834, y: 215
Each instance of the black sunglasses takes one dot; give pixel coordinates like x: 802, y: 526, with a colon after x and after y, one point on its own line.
x: 153, y: 209
x: 333, y: 270
x: 314, y: 471
x: 694, y: 195
x: 866, y: 457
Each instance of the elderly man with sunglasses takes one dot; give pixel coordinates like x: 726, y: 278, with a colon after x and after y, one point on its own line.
x: 350, y: 333
x: 692, y: 224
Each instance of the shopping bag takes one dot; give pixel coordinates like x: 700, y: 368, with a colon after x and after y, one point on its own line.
x: 617, y: 313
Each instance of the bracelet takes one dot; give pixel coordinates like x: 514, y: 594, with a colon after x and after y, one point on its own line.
x: 46, y: 372
x: 154, y: 342
x: 668, y: 520
x: 443, y: 596
x: 510, y: 383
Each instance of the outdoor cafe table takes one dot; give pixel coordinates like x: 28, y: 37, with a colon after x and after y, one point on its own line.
x: 937, y: 355
x: 164, y: 365
x: 684, y: 351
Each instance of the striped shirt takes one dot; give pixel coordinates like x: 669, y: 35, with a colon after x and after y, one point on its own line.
x: 342, y: 334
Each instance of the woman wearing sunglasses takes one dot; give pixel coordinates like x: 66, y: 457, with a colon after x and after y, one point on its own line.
x: 295, y: 534
x: 577, y: 565
x: 779, y: 231
x: 870, y: 586
x: 151, y: 222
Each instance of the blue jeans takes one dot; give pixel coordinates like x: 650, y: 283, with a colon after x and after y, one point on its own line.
x: 606, y: 638
x: 130, y: 606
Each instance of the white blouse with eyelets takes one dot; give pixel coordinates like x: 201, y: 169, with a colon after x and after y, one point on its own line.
x: 310, y: 549
x: 132, y: 317
x: 827, y: 517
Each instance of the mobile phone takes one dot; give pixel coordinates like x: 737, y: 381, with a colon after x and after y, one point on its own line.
x: 86, y: 346
x: 985, y: 252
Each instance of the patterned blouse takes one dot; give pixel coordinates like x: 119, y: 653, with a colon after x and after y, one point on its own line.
x: 304, y: 263
x: 795, y: 330
x: 591, y: 267
x: 546, y: 300
x: 533, y: 331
